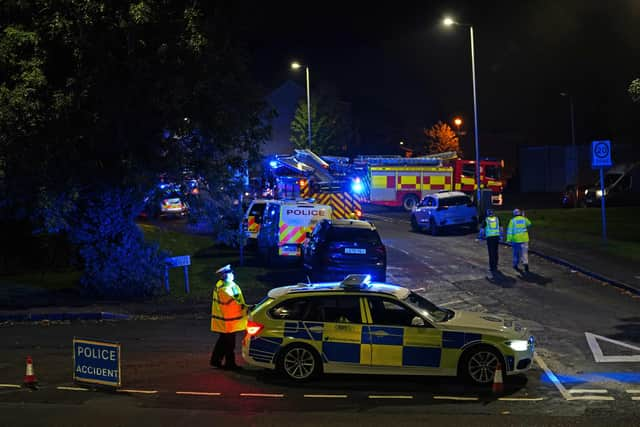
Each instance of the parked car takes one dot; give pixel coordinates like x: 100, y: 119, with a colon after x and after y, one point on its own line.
x: 340, y: 247
x: 444, y: 210
x: 621, y: 187
x: 166, y: 201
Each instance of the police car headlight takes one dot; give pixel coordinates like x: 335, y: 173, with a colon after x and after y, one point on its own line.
x: 518, y: 345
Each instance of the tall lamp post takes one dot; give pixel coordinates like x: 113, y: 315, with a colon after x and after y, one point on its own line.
x: 574, y: 152
x: 297, y: 66
x: 450, y: 22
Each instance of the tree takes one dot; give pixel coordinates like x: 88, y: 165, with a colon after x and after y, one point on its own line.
x: 634, y: 90
x: 330, y: 127
x: 442, y: 138
x: 99, y: 97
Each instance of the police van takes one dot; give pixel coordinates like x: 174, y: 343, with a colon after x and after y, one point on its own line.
x: 356, y: 326
x: 284, y: 225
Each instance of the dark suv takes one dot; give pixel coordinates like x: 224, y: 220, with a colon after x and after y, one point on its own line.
x: 336, y: 248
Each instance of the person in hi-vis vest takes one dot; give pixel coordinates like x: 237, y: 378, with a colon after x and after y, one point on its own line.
x: 518, y: 236
x: 228, y: 316
x: 491, y: 230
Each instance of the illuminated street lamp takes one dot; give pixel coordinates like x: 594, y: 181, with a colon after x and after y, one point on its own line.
x: 296, y: 66
x: 450, y: 22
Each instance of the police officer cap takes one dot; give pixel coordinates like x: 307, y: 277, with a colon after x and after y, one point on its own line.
x: 224, y: 270
x: 516, y: 212
x: 489, y: 212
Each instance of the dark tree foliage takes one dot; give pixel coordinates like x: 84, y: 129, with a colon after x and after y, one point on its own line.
x: 116, y: 260
x: 102, y: 96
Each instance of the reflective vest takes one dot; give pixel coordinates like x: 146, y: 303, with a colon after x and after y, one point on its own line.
x: 492, y: 227
x: 228, y: 313
x: 517, y: 230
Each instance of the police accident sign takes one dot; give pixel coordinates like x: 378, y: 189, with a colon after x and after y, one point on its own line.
x: 96, y: 362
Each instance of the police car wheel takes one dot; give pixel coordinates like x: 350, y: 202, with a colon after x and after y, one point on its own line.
x: 299, y: 362
x: 479, y: 365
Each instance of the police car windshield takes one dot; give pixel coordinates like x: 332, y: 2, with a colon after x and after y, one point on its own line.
x: 422, y: 304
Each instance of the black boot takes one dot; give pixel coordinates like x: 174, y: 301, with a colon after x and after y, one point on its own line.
x: 526, y: 268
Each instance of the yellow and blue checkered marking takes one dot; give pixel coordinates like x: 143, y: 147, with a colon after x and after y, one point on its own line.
x: 367, y: 344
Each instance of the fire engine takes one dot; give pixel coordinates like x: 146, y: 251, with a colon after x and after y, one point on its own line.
x: 305, y: 175
x: 403, y: 181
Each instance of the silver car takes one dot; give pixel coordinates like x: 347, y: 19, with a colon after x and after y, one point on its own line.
x: 444, y: 210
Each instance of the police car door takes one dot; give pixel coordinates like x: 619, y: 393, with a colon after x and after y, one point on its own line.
x: 343, y: 322
x: 400, y: 338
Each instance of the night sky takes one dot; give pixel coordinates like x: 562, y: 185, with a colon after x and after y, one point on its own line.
x: 403, y: 71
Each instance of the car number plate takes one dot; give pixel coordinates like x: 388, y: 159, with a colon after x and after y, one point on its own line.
x: 354, y: 251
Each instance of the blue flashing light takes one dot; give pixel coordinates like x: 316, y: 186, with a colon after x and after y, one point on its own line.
x: 273, y: 164
x: 356, y: 186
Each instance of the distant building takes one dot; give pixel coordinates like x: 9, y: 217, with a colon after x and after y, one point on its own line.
x: 284, y: 100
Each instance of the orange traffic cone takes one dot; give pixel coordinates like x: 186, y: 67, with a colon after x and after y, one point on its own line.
x: 497, y: 379
x: 30, y: 376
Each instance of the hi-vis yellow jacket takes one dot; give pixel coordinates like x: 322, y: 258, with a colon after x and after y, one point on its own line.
x: 228, y: 312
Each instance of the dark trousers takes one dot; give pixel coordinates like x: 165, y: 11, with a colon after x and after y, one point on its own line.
x: 492, y: 247
x: 224, y: 349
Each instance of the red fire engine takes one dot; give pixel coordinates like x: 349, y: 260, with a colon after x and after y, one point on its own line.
x: 402, y: 181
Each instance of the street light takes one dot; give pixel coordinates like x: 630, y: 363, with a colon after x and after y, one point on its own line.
x: 450, y: 22
x: 574, y: 153
x: 296, y: 66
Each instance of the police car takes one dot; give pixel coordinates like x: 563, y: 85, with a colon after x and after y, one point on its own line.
x: 356, y: 326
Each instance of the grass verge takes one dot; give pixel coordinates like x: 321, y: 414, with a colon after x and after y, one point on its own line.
x: 581, y: 230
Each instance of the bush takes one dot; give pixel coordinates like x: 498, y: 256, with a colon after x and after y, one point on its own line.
x: 117, y: 261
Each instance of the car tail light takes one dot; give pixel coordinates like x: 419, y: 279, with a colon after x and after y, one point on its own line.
x: 254, y: 328
x: 381, y: 250
x: 358, y: 213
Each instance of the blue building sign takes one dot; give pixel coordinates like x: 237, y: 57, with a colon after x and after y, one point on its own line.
x: 96, y: 362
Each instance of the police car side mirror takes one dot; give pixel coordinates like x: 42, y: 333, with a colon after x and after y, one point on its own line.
x: 417, y: 321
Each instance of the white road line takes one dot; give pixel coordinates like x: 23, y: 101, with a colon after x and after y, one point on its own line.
x: 10, y: 386
x: 327, y: 396
x: 198, y: 393
x: 633, y: 391
x: 587, y: 391
x: 591, y: 398
x: 552, y: 377
x: 444, y: 304
x: 131, y: 390
x: 377, y: 396
x: 72, y: 388
x: 261, y: 395
x: 635, y: 397
x: 521, y: 399
x: 454, y: 398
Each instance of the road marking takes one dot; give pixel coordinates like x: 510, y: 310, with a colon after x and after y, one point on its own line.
x: 523, y: 399
x: 633, y: 391
x: 635, y: 397
x: 591, y: 398
x: 454, y: 398
x: 450, y: 302
x: 327, y: 396
x: 131, y: 390
x: 10, y: 386
x: 400, y: 396
x: 586, y: 390
x: 552, y: 377
x: 261, y: 395
x: 72, y: 388
x: 601, y: 358
x: 198, y: 393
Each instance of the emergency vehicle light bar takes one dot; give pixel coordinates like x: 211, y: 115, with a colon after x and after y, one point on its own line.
x: 356, y: 281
